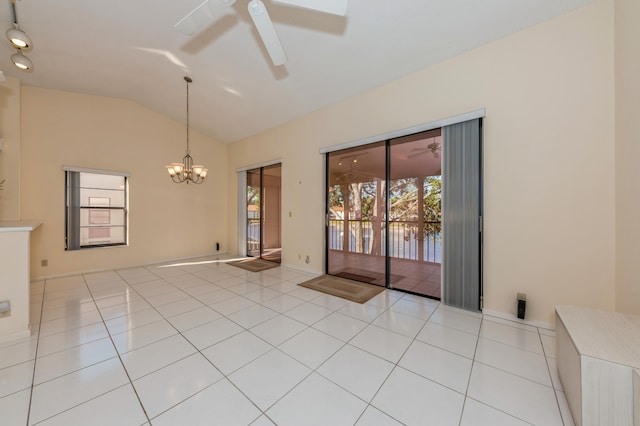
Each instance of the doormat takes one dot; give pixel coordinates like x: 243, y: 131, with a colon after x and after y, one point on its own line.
x: 367, y: 276
x: 347, y: 289
x: 254, y: 264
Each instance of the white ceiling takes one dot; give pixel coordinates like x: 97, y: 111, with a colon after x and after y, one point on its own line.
x: 130, y: 49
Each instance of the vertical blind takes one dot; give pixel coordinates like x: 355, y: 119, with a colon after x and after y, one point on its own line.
x: 461, y: 211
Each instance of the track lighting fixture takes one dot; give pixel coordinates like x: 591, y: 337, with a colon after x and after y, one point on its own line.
x: 21, y: 41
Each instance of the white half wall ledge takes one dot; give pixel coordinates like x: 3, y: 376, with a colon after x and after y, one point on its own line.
x: 15, y: 283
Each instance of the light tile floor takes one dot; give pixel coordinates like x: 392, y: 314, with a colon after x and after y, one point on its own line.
x: 202, y: 342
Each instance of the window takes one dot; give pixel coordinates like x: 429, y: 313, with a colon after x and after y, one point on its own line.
x: 96, y: 208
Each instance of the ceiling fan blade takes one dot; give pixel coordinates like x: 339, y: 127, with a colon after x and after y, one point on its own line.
x: 201, y: 16
x: 267, y: 32
x: 418, y: 154
x: 334, y: 7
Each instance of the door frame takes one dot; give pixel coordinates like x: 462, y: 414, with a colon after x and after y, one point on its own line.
x: 471, y: 115
x: 242, y: 201
x: 387, y: 145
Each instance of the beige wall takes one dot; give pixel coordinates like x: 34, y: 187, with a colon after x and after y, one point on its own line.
x: 549, y: 158
x: 10, y: 155
x: 627, y: 61
x: 552, y: 229
x: 166, y: 220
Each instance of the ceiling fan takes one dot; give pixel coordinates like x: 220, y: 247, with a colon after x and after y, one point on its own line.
x: 210, y: 10
x: 434, y: 148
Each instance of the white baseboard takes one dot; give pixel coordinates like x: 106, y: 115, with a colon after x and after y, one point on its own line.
x: 91, y: 271
x: 511, y: 317
x: 22, y: 335
x: 298, y: 269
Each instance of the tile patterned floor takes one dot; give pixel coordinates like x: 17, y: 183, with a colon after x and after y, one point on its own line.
x: 406, y: 274
x: 202, y: 342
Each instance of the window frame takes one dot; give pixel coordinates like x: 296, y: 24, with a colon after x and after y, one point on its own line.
x: 73, y: 213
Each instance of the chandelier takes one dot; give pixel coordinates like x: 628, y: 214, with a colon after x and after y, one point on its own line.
x: 186, y: 171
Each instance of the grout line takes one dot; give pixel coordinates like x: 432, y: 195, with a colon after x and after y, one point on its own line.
x: 473, y: 363
x: 555, y: 391
x: 82, y: 403
x: 132, y: 287
x: 116, y: 350
x: 499, y: 410
x: 109, y: 336
x: 198, y: 351
x: 35, y: 357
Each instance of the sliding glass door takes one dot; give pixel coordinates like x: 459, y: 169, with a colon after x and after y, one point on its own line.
x: 384, y: 213
x: 406, y: 213
x: 264, y: 212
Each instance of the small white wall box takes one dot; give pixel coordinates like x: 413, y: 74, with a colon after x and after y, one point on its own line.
x: 5, y: 308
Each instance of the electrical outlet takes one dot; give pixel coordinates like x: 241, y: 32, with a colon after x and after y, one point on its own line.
x: 5, y: 309
x: 307, y: 260
x: 44, y: 262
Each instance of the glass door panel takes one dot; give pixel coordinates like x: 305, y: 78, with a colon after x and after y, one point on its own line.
x: 415, y: 214
x: 264, y: 190
x: 271, y: 214
x: 254, y: 194
x: 356, y: 208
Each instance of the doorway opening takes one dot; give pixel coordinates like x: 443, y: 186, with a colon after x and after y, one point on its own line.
x: 385, y: 213
x: 264, y: 193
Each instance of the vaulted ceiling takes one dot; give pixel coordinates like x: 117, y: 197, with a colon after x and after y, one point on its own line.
x: 130, y: 49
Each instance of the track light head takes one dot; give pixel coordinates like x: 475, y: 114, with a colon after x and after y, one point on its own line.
x: 19, y: 39
x: 22, y: 62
